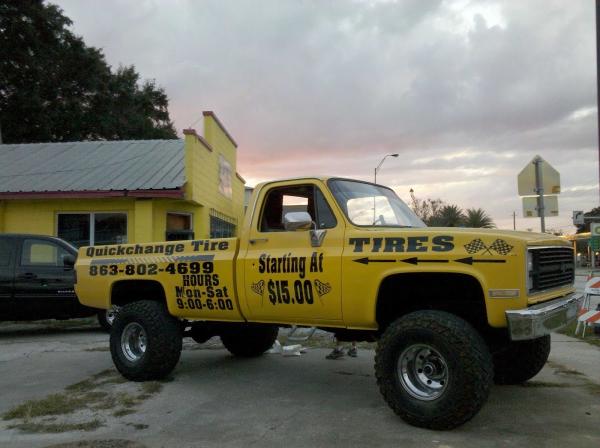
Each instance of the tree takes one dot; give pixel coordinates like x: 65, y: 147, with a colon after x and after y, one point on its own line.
x: 55, y: 88
x: 477, y: 217
x: 449, y: 216
x: 425, y: 209
x: 436, y: 213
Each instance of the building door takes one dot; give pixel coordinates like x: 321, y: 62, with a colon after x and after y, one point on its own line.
x: 43, y: 284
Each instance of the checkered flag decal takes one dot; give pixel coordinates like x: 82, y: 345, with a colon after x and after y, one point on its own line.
x: 258, y: 288
x: 322, y: 288
x: 501, y: 246
x: 476, y: 246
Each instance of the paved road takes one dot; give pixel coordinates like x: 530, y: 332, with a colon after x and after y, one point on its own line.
x: 215, y: 400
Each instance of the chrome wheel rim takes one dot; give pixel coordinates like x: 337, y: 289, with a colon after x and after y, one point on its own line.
x: 133, y: 342
x: 423, y: 372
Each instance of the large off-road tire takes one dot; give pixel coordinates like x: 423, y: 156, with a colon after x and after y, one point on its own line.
x: 145, y: 341
x: 433, y: 369
x: 520, y: 361
x: 249, y: 340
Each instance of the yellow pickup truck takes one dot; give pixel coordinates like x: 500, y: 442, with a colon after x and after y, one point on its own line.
x: 452, y: 309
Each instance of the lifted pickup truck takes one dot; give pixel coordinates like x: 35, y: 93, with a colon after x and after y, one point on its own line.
x: 452, y: 309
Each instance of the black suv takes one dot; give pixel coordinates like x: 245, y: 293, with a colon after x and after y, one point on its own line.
x: 36, y: 279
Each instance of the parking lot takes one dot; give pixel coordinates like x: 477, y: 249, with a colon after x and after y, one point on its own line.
x: 213, y: 399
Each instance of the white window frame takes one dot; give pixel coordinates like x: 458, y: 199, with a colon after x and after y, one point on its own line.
x: 93, y: 222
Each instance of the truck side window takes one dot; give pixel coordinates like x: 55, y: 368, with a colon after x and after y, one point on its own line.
x: 297, y: 198
x: 5, y: 251
x: 42, y: 253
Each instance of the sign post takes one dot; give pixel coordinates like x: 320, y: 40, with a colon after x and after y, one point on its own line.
x: 541, y: 180
x: 539, y: 189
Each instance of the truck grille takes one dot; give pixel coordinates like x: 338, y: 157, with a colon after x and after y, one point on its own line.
x: 551, y: 267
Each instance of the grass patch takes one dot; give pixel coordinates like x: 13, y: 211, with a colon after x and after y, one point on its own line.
x: 138, y: 426
x: 123, y: 412
x: 559, y: 369
x: 56, y: 428
x: 535, y: 384
x: 55, y: 404
x: 590, y: 337
x: 103, y: 393
x: 152, y: 387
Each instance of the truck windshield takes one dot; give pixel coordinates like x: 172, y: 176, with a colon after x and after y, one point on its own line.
x: 372, y: 205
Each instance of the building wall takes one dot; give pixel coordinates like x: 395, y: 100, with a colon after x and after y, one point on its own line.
x: 202, y: 173
x: 147, y: 217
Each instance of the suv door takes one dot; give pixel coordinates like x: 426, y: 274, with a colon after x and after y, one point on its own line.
x: 7, y: 274
x: 43, y: 284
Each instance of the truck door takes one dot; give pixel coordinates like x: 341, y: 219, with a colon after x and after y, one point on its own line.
x: 286, y: 278
x: 7, y: 273
x: 43, y: 285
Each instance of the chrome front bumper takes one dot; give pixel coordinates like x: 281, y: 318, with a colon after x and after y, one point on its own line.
x: 544, y: 318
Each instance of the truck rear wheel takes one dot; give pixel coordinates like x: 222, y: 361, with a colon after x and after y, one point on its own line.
x: 520, y: 361
x: 249, y: 340
x: 145, y: 341
x: 433, y: 369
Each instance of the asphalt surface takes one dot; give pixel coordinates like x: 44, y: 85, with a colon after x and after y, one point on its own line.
x: 216, y: 400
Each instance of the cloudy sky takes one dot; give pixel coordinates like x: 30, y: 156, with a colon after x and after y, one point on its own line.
x: 467, y: 92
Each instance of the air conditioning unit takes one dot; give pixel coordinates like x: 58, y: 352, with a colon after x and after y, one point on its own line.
x: 176, y: 235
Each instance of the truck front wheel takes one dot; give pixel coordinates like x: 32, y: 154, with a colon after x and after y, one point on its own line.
x: 247, y: 340
x: 433, y: 369
x: 145, y: 341
x: 520, y: 361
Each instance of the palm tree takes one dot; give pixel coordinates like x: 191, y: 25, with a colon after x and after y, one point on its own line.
x: 477, y: 217
x: 448, y: 216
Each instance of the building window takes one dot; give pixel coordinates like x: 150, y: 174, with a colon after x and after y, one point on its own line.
x: 225, y: 177
x: 179, y: 227
x: 221, y: 226
x: 92, y: 229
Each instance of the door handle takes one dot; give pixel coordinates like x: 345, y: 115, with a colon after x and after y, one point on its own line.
x: 258, y: 240
x: 27, y: 276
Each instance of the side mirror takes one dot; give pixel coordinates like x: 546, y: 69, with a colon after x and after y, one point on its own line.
x: 297, y: 221
x: 68, y: 261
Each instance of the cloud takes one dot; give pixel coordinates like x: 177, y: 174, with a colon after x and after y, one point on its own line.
x: 466, y: 91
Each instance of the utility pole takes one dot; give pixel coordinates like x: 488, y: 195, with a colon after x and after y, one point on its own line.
x: 598, y: 80
x: 514, y: 220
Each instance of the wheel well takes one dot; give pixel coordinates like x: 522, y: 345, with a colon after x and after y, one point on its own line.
x: 128, y: 291
x: 459, y: 294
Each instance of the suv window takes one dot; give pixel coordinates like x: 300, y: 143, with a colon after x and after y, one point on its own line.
x: 42, y: 253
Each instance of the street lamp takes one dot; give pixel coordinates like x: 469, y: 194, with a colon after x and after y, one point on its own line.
x: 381, y: 163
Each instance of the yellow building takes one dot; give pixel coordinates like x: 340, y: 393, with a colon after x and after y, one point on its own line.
x: 135, y: 191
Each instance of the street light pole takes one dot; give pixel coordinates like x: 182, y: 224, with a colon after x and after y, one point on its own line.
x: 381, y: 163
x: 375, y: 181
